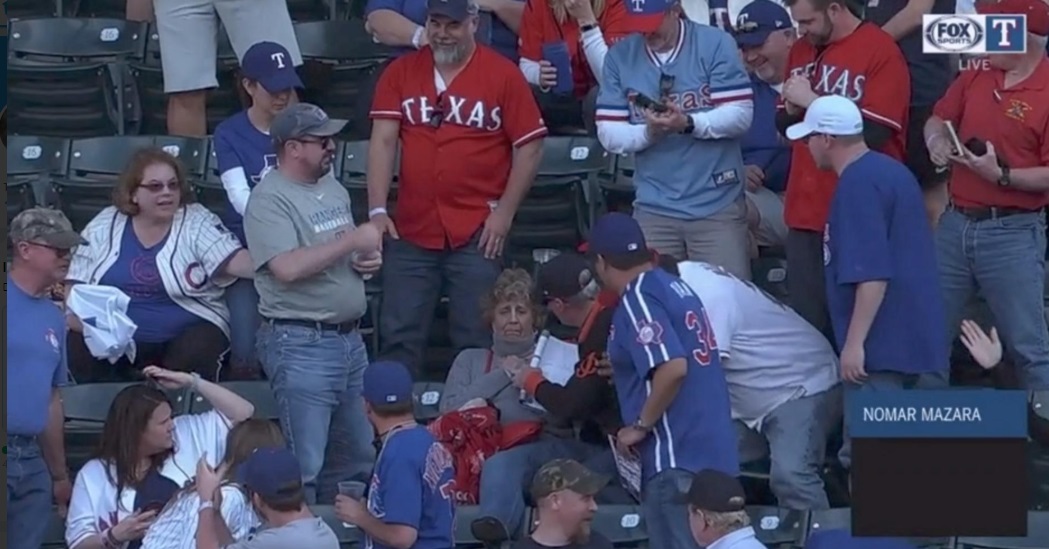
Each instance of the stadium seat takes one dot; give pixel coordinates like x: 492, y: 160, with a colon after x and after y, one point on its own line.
x: 88, y: 403
x: 68, y: 77
x: 617, y: 190
x: 770, y: 274
x: 353, y: 167
x: 55, y: 536
x: 428, y: 400
x: 348, y: 535
x: 841, y: 519
x: 31, y: 161
x: 258, y: 393
x: 464, y: 516
x: 191, y: 152
x: 100, y: 8
x: 94, y: 166
x: 623, y: 525
x: 25, y: 9
x: 775, y: 526
x: 1037, y: 536
x: 209, y: 188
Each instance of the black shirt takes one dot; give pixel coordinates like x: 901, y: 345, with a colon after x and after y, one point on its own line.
x: 931, y: 74
x: 597, y: 541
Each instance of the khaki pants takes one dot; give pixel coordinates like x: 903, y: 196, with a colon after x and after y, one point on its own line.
x: 720, y: 239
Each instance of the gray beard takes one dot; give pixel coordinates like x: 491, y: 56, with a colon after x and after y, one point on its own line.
x: 449, y: 55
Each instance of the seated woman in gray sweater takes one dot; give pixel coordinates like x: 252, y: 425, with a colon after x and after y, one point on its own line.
x: 484, y: 374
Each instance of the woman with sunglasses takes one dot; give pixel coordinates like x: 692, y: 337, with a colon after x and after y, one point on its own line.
x: 173, y: 258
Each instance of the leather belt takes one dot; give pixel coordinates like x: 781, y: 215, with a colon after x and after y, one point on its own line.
x: 341, y: 327
x: 983, y: 213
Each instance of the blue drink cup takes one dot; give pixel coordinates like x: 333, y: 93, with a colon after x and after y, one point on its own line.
x: 557, y: 54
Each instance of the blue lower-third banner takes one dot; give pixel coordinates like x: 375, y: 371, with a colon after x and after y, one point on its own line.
x: 975, y: 413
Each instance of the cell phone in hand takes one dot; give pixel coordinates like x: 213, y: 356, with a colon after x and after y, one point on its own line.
x: 956, y: 143
x: 976, y: 146
x: 645, y: 102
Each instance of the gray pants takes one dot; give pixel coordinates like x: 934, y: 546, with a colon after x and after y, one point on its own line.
x: 721, y: 239
x: 794, y: 436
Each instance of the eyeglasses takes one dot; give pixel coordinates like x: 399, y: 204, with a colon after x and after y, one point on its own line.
x: 437, y: 118
x: 666, y: 85
x: 322, y: 141
x: 156, y: 186
x: 60, y: 253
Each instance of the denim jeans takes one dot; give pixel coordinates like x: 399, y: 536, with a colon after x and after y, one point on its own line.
x: 508, y: 474
x: 666, y: 518
x: 795, y: 436
x: 412, y: 281
x: 887, y: 381
x: 28, y: 494
x: 316, y: 377
x: 243, y: 303
x: 1004, y: 261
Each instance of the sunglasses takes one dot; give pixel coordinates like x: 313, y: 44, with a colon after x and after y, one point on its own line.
x: 666, y: 85
x: 156, y: 186
x: 61, y: 253
x: 437, y: 118
x: 322, y: 141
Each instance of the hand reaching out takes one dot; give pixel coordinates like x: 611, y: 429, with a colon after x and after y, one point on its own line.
x: 985, y: 347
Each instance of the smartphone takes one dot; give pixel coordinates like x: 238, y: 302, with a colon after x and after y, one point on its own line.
x: 976, y: 146
x: 645, y: 102
x: 955, y: 142
x: 156, y: 506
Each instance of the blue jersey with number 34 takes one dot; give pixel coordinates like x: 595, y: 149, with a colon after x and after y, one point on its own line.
x: 660, y: 319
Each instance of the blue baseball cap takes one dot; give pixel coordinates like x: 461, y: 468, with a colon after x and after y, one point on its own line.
x: 270, y: 472
x: 646, y: 15
x: 456, y: 10
x: 841, y: 539
x: 757, y: 20
x: 270, y: 64
x: 616, y: 233
x: 387, y: 383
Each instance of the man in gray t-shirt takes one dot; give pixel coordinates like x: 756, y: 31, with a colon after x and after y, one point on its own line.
x: 309, y: 259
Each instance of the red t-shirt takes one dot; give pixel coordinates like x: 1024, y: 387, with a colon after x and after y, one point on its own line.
x: 1015, y: 120
x: 453, y: 173
x: 538, y: 26
x: 868, y: 68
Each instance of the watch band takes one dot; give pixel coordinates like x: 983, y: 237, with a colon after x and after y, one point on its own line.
x: 376, y: 211
x: 587, y: 27
x: 1006, y: 179
x: 641, y: 426
x: 690, y: 126
x: 206, y: 505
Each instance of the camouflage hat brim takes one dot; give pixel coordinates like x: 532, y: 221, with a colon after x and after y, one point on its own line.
x: 63, y: 240
x: 330, y: 128
x: 591, y: 484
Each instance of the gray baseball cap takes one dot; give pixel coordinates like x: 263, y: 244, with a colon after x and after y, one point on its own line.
x: 302, y: 120
x: 45, y: 226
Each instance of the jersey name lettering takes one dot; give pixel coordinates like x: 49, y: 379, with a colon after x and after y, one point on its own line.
x: 690, y: 101
x: 460, y: 111
x: 832, y: 80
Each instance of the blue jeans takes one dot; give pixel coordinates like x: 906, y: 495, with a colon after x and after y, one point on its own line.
x: 508, y: 474
x: 28, y: 494
x: 243, y: 303
x: 887, y: 381
x: 795, y: 436
x: 666, y: 519
x: 412, y: 282
x: 1004, y: 261
x: 316, y: 377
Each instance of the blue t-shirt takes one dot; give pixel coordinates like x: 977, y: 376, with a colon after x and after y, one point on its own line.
x: 239, y: 144
x: 660, y: 319
x: 36, y: 359
x: 491, y: 32
x: 878, y: 230
x: 135, y: 272
x: 412, y: 485
x: 763, y: 145
x: 842, y: 539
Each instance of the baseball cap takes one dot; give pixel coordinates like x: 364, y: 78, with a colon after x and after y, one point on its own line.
x: 1037, y: 12
x: 842, y: 539
x: 564, y: 276
x: 715, y: 491
x: 566, y: 474
x: 456, y: 10
x: 302, y: 120
x: 270, y: 472
x: 387, y: 383
x: 270, y: 64
x: 828, y: 115
x: 615, y: 233
x: 44, y: 226
x: 757, y: 20
x: 646, y: 16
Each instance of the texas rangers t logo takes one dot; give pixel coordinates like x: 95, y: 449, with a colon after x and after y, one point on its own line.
x: 638, y: 4
x: 278, y: 58
x: 649, y: 333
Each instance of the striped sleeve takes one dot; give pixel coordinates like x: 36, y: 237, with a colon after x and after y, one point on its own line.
x: 728, y: 79
x: 213, y: 243
x: 655, y: 341
x: 612, y: 102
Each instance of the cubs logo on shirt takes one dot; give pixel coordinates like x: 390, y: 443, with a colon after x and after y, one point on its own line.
x: 53, y: 340
x: 826, y: 244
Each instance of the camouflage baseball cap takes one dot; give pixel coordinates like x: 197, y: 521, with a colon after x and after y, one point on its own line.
x: 566, y: 474
x: 44, y: 226
x: 302, y: 120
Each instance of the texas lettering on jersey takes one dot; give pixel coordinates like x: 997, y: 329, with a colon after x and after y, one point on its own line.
x: 462, y: 111
x: 829, y: 79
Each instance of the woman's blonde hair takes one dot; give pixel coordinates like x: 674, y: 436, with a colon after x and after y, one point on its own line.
x: 513, y: 285
x: 561, y: 12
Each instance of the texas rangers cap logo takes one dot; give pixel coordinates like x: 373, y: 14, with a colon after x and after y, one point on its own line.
x: 649, y: 332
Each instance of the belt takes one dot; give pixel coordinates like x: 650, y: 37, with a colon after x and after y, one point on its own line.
x: 983, y: 213
x: 341, y: 327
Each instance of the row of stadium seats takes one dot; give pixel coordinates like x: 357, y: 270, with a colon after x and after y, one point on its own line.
x: 301, y: 10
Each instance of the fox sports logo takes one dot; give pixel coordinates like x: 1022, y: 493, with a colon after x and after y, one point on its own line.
x: 954, y: 33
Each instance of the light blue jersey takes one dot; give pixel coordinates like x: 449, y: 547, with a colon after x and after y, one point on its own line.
x: 679, y: 176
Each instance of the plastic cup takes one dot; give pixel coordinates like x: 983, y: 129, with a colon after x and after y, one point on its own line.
x: 353, y: 489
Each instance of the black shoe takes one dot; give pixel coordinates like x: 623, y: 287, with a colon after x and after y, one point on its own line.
x: 490, y: 531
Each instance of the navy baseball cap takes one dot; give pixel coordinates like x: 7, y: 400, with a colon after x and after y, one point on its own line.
x: 387, y: 383
x: 564, y: 276
x: 757, y: 20
x: 716, y: 492
x: 270, y: 64
x: 615, y: 233
x: 456, y: 10
x: 270, y: 472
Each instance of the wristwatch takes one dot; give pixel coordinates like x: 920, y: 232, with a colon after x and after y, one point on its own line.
x: 1005, y: 179
x: 640, y: 426
x: 690, y: 126
x: 587, y: 27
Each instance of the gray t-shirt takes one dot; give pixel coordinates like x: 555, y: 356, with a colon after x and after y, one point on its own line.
x: 298, y: 534
x: 283, y: 215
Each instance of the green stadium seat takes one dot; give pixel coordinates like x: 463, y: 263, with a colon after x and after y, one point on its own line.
x: 775, y: 526
x: 1037, y: 536
x: 94, y: 166
x: 841, y: 519
x: 464, y: 516
x: 258, y: 393
x: 208, y: 188
x: 348, y: 535
x: 191, y: 152
x: 352, y: 165
x: 338, y: 41
x: 61, y: 38
x: 623, y: 525
x: 770, y: 274
x: 428, y: 400
x: 88, y: 403
x: 25, y: 9
x: 617, y: 190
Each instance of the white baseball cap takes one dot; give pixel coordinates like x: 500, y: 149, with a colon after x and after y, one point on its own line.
x: 828, y: 115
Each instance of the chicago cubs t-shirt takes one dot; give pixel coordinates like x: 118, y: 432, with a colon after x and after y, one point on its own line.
x: 135, y: 272
x: 239, y: 145
x: 659, y: 319
x: 36, y: 359
x: 412, y: 485
x: 878, y: 230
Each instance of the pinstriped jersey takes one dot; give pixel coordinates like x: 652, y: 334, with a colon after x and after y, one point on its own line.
x: 660, y: 319
x: 679, y: 176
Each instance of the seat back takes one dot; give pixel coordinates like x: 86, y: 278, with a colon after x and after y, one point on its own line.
x: 24, y: 9
x: 464, y: 517
x: 1037, y: 536
x: 191, y: 152
x: 353, y: 167
x: 72, y: 38
x: 32, y: 156
x: 427, y: 400
x: 259, y: 393
x: 67, y: 99
x: 623, y: 525
x: 339, y: 41
x: 94, y: 166
x: 774, y: 526
x: 89, y: 402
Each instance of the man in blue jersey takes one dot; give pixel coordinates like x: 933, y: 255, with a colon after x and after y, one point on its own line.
x: 676, y: 95
x: 409, y: 502
x: 883, y: 287
x: 668, y: 377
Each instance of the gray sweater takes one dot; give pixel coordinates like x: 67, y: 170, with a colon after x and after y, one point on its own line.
x: 468, y: 380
